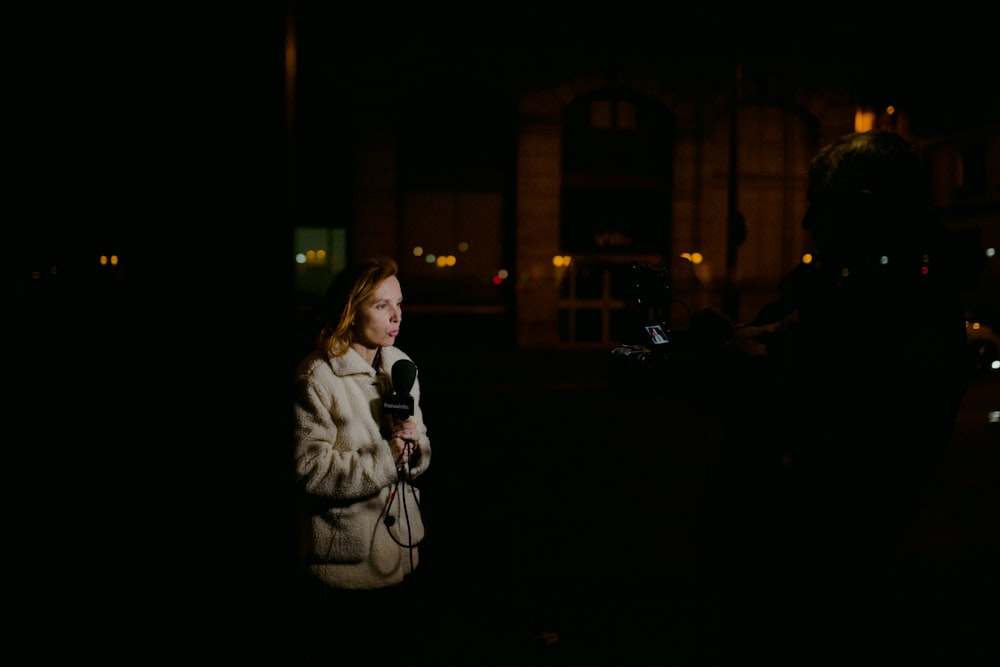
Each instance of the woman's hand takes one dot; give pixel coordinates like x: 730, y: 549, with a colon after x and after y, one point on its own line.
x: 404, y: 441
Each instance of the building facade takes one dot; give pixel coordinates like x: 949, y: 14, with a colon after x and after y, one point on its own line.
x: 524, y: 194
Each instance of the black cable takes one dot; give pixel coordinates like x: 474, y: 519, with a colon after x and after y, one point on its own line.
x: 390, y: 520
x: 406, y: 515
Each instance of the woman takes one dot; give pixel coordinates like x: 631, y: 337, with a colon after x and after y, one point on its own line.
x: 355, y: 457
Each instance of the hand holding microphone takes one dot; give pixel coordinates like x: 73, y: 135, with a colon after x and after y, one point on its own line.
x: 404, y: 441
x: 399, y: 406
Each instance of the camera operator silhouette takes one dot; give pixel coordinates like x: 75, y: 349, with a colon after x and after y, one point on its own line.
x: 838, y: 402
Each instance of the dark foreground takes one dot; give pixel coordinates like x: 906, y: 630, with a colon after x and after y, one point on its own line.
x: 564, y: 528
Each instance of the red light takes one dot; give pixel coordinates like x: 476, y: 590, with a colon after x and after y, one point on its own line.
x: 497, y: 280
x: 923, y: 270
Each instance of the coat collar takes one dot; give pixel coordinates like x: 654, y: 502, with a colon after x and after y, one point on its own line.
x: 351, y: 363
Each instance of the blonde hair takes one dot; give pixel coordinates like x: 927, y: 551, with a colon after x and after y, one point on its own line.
x: 348, y: 291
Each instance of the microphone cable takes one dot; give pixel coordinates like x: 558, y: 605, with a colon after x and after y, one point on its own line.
x: 402, y: 474
x: 402, y: 482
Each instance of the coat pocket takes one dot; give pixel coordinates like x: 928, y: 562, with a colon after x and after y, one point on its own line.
x: 344, y: 534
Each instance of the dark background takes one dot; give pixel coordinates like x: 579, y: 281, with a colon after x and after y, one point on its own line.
x: 147, y: 460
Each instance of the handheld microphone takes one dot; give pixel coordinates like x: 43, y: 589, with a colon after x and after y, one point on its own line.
x: 400, y: 402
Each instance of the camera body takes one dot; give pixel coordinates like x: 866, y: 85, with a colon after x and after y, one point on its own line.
x: 641, y: 363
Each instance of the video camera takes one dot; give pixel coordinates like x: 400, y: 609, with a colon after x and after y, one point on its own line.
x: 654, y: 344
x: 658, y: 357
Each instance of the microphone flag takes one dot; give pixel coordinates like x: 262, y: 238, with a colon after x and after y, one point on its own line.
x: 400, y: 403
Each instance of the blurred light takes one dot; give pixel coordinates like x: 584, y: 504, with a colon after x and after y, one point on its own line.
x: 417, y: 251
x: 697, y: 258
x: 311, y: 257
x: 883, y: 260
x: 497, y: 280
x: 924, y: 270
x: 994, y: 416
x: 503, y: 273
x: 864, y: 120
x: 431, y: 258
x: 990, y: 252
x: 807, y: 258
x: 291, y: 62
x: 561, y: 260
x: 463, y: 246
x: 890, y: 110
x: 445, y: 260
x: 844, y: 272
x: 104, y: 260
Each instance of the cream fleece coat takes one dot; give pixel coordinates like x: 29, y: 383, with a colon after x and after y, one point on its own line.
x: 347, y: 474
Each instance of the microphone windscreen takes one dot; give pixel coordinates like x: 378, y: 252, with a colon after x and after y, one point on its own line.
x: 404, y: 374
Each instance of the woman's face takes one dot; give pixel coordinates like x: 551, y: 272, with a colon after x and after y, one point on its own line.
x: 376, y: 323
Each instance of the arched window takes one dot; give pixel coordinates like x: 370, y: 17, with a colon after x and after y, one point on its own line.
x: 616, y: 208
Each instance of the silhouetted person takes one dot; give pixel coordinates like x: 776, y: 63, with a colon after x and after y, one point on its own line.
x: 840, y: 401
